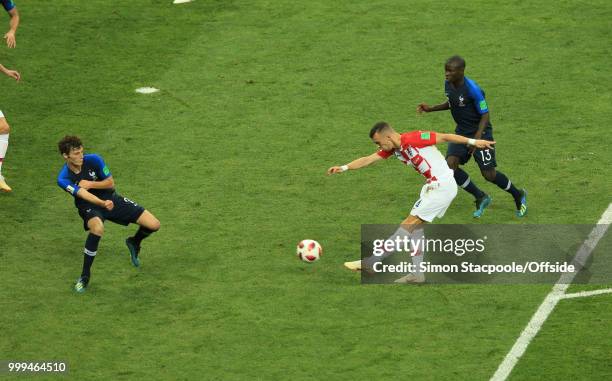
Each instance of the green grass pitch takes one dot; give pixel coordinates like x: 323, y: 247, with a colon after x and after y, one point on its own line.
x: 258, y: 99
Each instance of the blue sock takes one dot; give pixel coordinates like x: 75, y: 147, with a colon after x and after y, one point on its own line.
x: 504, y: 183
x: 91, y: 248
x: 463, y: 180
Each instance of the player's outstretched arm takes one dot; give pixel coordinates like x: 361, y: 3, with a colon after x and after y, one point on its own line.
x: 107, y: 183
x: 85, y: 195
x: 424, y: 107
x: 13, y: 24
x: 11, y: 73
x: 452, y: 138
x: 355, y: 164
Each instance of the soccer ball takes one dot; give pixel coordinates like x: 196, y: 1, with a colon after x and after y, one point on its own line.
x: 309, y: 250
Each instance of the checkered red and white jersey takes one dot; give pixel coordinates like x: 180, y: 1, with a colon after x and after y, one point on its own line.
x: 418, y: 150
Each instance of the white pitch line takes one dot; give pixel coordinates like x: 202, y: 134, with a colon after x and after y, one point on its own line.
x: 551, y: 300
x: 587, y: 293
x: 146, y: 90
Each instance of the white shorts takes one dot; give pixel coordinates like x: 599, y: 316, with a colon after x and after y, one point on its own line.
x: 1, y: 114
x: 435, y: 199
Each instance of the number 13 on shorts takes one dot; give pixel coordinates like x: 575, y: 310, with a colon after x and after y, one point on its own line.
x: 485, y: 157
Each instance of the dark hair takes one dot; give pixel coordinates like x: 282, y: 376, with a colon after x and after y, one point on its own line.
x: 68, y: 143
x: 378, y: 127
x: 456, y: 61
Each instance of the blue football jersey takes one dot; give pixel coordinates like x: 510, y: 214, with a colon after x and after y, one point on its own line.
x: 467, y: 104
x: 93, y: 169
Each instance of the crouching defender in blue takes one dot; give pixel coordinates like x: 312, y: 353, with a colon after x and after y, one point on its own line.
x: 89, y: 181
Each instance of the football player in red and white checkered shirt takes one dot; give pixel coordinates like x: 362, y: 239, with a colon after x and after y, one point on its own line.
x: 418, y: 150
x: 4, y: 130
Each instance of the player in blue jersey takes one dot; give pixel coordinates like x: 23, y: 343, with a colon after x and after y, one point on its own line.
x: 9, y: 6
x: 89, y: 181
x: 469, y: 109
x: 4, y: 131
